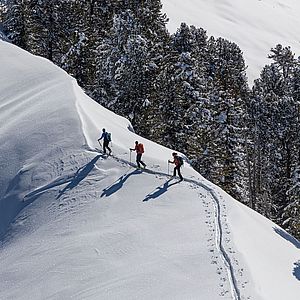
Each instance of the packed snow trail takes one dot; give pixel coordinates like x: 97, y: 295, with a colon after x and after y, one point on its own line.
x: 217, y: 213
x: 117, y: 245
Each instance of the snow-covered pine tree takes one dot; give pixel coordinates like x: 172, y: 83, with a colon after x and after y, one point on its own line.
x: 128, y: 59
x: 153, y: 27
x: 291, y: 212
x: 275, y: 108
x: 44, y: 28
x: 182, y: 88
x: 15, y: 21
x: 3, y: 11
x: 75, y: 61
x: 96, y: 19
x: 57, y: 30
x: 122, y: 67
x: 228, y: 98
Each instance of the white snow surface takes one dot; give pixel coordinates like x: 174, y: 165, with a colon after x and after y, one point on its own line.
x: 78, y: 225
x: 255, y: 26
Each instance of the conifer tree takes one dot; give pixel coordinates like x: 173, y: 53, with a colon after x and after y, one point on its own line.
x: 127, y: 62
x: 276, y: 136
x: 75, y: 61
x: 292, y: 211
x: 228, y: 99
x: 183, y: 87
x: 16, y: 23
x: 122, y: 66
x: 3, y: 11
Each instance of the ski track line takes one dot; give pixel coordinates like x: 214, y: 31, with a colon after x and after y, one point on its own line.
x: 219, y: 238
x: 218, y: 228
x: 218, y: 225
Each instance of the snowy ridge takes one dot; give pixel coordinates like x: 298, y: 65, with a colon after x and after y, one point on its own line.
x: 94, y: 227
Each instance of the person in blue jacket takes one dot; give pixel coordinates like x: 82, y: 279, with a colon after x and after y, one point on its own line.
x: 106, y: 139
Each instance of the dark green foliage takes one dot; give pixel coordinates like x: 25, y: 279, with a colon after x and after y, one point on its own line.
x: 183, y: 87
x: 276, y: 114
x: 16, y: 23
x: 228, y: 97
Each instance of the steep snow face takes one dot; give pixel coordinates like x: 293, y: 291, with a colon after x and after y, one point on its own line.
x: 32, y: 127
x: 255, y: 25
x: 95, y: 227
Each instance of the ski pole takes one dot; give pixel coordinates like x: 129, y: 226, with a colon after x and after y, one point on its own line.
x: 100, y: 143
x: 168, y: 168
x: 130, y: 156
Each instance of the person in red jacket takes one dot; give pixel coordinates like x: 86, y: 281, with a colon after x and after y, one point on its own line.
x: 178, y: 161
x: 139, y: 148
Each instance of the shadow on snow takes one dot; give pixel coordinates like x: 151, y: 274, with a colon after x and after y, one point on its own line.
x: 12, y: 202
x: 296, y: 243
x: 80, y: 175
x: 296, y: 271
x: 73, y: 179
x: 287, y: 237
x: 160, y: 190
x: 114, y: 187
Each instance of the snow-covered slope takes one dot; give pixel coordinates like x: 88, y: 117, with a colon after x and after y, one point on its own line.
x: 255, y: 25
x: 97, y: 228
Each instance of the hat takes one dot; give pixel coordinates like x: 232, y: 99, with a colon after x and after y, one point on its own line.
x: 174, y: 153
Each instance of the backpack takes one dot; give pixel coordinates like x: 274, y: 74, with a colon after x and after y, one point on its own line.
x: 108, y: 136
x: 180, y: 160
x: 141, y: 148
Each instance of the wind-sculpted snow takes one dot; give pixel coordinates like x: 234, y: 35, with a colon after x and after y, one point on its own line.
x: 37, y: 123
x: 81, y: 225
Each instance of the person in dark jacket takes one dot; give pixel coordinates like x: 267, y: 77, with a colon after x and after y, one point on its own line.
x: 106, y: 140
x: 139, y: 148
x: 178, y: 163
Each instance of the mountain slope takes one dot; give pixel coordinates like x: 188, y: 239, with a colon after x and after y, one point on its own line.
x: 255, y: 25
x: 97, y: 228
